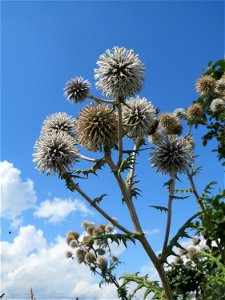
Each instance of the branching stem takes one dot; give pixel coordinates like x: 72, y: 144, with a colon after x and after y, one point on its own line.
x: 99, y: 100
x: 88, y: 158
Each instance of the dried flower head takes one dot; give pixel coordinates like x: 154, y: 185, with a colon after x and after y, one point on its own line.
x: 205, y: 85
x: 102, y: 263
x: 102, y: 226
x: 74, y: 243
x: 87, y: 242
x: 77, y: 89
x: 97, y: 231
x: 80, y: 254
x: 89, y: 257
x: 192, y: 253
x: 59, y: 122
x: 195, y: 113
x: 101, y: 251
x: 114, y: 259
x: 170, y: 124
x: 85, y: 224
x: 55, y: 152
x: 90, y: 229
x: 180, y: 113
x: 171, y: 155
x: 138, y: 117
x: 109, y: 228
x: 97, y: 127
x: 120, y: 73
x: 68, y: 254
x: 217, y: 105
x: 71, y: 235
x: 220, y: 87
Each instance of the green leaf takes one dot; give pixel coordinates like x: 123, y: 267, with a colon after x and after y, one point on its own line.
x: 126, y: 164
x: 161, y: 208
x: 97, y: 166
x: 98, y: 199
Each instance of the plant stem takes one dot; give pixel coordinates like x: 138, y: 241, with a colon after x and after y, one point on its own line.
x: 130, y: 175
x: 120, y: 134
x: 73, y: 186
x: 169, y: 214
x: 88, y: 158
x: 204, y: 209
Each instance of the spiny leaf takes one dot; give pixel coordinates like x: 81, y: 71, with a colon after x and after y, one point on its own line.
x: 207, y: 189
x: 174, y: 241
x: 161, y: 208
x: 183, y: 191
x: 126, y: 164
x: 97, y: 166
x: 196, y: 171
x: 98, y: 199
x: 180, y: 197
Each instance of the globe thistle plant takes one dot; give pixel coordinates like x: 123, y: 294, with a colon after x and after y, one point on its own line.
x: 119, y: 73
x: 171, y: 155
x: 217, y: 105
x: 59, y: 122
x: 102, y: 263
x: 180, y: 113
x: 55, y: 152
x: 97, y: 127
x: 195, y: 113
x: 80, y: 254
x: 220, y: 87
x: 89, y: 257
x: 138, y: 117
x: 77, y: 89
x: 170, y: 124
x: 205, y: 85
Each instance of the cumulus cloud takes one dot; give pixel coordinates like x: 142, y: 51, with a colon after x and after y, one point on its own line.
x: 29, y: 261
x: 16, y: 195
x: 58, y: 209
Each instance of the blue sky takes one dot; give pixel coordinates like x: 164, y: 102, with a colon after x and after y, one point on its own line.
x: 44, y: 44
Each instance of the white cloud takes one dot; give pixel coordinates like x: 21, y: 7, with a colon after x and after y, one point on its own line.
x: 58, y: 209
x: 16, y: 195
x: 151, y: 231
x: 29, y: 261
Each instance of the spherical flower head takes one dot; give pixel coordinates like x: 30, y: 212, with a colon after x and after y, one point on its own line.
x: 71, y: 235
x: 68, y: 254
x: 217, y: 105
x: 195, y: 113
x: 138, y: 117
x: 97, y: 231
x: 114, y: 259
x: 120, y: 73
x: 77, y: 89
x: 220, y: 87
x: 102, y: 263
x: 180, y: 113
x: 102, y: 226
x: 59, y: 122
x: 74, y: 244
x: 89, y: 257
x: 192, y: 253
x: 109, y: 228
x: 101, y: 251
x: 55, y: 152
x: 86, y: 223
x: 205, y: 85
x: 80, y: 254
x: 171, y: 155
x: 87, y: 242
x: 170, y: 124
x: 97, y: 127
x: 90, y: 229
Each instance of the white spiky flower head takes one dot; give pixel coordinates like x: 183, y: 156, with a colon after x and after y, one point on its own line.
x: 55, y: 152
x: 139, y: 116
x: 59, y: 122
x: 171, y: 155
x: 205, y: 85
x: 220, y: 87
x: 170, y: 124
x: 120, y: 73
x: 180, y: 113
x: 77, y: 89
x: 217, y: 105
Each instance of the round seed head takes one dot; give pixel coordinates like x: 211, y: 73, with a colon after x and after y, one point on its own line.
x: 217, y: 105
x: 89, y: 257
x: 97, y: 231
x: 180, y: 113
x: 220, y: 87
x: 102, y: 226
x: 138, y: 117
x: 71, y: 235
x: 97, y: 127
x: 205, y: 85
x: 170, y: 124
x: 74, y: 244
x: 85, y: 224
x: 109, y: 228
x: 102, y: 263
x: 192, y: 253
x: 195, y: 113
x: 80, y: 254
x: 55, y: 152
x: 119, y: 73
x: 68, y: 254
x: 171, y: 155
x: 90, y: 229
x: 114, y: 259
x: 77, y: 89
x: 87, y: 242
x: 59, y: 122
